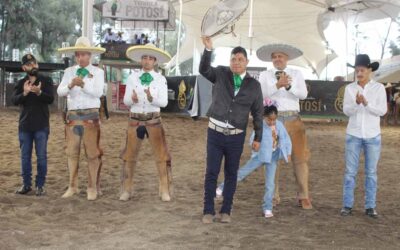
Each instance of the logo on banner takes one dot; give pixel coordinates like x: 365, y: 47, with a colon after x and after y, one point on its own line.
x: 145, y: 10
x: 182, y: 95
x: 339, y: 99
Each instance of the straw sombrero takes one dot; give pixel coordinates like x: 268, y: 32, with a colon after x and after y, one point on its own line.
x: 265, y: 52
x: 388, y: 85
x: 82, y: 44
x: 135, y: 53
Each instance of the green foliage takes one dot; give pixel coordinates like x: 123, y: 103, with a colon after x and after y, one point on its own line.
x: 41, y: 24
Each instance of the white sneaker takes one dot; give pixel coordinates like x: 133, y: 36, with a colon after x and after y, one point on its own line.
x: 268, y: 214
x: 219, y: 192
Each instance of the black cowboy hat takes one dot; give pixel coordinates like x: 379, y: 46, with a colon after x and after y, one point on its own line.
x: 363, y: 60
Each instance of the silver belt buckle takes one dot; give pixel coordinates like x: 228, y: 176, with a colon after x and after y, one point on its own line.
x: 226, y: 131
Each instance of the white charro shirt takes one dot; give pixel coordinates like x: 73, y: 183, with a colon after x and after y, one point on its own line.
x: 87, y: 97
x: 158, y: 90
x: 364, y: 121
x: 226, y: 124
x: 287, y: 100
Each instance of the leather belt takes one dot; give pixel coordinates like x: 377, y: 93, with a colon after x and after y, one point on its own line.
x: 94, y: 122
x: 288, y: 113
x: 144, y: 116
x: 225, y: 131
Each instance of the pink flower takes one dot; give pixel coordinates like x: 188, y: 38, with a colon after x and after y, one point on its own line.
x: 268, y: 102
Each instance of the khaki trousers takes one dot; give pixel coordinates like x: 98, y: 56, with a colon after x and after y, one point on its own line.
x: 300, y: 157
x: 88, y: 133
x: 131, y: 150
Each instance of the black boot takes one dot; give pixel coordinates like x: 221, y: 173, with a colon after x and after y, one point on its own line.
x: 371, y: 212
x: 346, y: 211
x: 23, y: 190
x: 40, y: 191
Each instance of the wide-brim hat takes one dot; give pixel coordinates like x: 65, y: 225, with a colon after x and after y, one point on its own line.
x: 265, y: 52
x: 82, y: 44
x: 363, y: 60
x: 135, y: 53
x: 388, y: 85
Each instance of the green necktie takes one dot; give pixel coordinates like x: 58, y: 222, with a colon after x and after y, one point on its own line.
x: 82, y: 72
x: 237, y: 82
x: 146, y: 79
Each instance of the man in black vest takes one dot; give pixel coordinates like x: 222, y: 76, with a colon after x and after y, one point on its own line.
x: 33, y: 94
x: 235, y: 95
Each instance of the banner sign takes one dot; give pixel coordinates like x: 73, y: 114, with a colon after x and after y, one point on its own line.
x: 325, y: 98
x: 180, y: 93
x: 115, y: 51
x: 145, y: 10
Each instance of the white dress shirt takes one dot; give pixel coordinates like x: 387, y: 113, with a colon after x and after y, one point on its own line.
x: 226, y: 124
x: 364, y: 121
x: 87, y: 97
x: 158, y: 90
x: 287, y: 100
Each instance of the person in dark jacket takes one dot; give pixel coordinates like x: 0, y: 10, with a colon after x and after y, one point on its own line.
x: 235, y: 95
x: 33, y: 94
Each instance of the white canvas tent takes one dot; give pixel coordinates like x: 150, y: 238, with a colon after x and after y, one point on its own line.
x: 296, y: 22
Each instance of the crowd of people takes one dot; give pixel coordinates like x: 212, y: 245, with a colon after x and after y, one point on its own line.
x: 135, y: 39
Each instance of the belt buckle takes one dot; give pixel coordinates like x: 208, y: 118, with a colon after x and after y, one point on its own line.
x: 225, y: 131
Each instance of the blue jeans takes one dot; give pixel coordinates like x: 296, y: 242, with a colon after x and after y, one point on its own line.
x: 250, y: 166
x: 372, y: 150
x: 218, y: 146
x: 26, y: 139
x: 270, y: 169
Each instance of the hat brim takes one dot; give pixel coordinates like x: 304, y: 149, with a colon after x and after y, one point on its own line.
x: 373, y: 66
x: 265, y: 52
x: 72, y: 50
x: 135, y: 53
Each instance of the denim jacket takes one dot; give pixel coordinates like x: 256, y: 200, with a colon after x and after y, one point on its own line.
x: 284, y: 143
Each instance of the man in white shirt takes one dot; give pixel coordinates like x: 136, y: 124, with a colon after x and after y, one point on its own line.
x: 287, y: 87
x: 146, y: 92
x: 83, y: 86
x: 110, y: 36
x: 364, y: 102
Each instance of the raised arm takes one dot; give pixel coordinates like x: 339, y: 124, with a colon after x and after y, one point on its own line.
x: 205, y: 68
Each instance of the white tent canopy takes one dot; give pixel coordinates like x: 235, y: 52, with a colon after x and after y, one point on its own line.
x: 295, y: 22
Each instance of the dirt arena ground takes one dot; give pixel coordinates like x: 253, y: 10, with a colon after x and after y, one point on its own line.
x: 50, y: 222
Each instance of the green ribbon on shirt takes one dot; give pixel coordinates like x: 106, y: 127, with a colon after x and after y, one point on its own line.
x: 82, y: 72
x: 237, y: 82
x: 146, y: 79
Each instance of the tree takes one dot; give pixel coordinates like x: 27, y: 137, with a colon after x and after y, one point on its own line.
x: 44, y: 24
x: 394, y: 49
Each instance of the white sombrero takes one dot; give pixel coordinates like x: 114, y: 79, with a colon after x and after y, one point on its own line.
x: 388, y: 85
x: 135, y: 53
x: 265, y: 52
x: 82, y: 44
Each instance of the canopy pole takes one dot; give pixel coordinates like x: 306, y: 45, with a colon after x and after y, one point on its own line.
x: 178, y: 47
x: 251, y: 33
x: 87, y: 19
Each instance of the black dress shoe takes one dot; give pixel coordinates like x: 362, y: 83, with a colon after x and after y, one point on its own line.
x: 23, y: 190
x: 346, y: 211
x: 371, y: 212
x: 40, y: 191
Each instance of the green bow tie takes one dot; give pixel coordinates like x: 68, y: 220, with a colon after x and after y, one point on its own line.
x: 146, y: 79
x: 82, y: 72
x: 237, y: 82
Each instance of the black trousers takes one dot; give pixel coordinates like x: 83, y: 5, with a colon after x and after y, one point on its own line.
x: 229, y: 147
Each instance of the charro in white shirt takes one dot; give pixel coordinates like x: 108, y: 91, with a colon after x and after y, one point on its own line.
x: 364, y: 121
x: 158, y: 90
x: 287, y: 100
x: 86, y: 97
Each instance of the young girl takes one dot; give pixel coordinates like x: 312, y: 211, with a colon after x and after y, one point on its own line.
x: 275, y: 145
